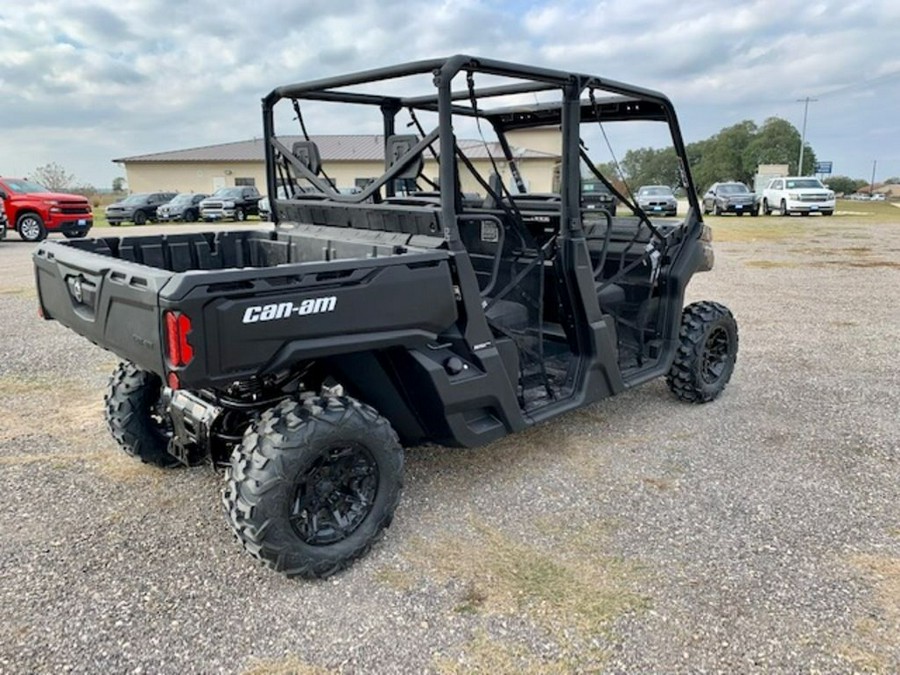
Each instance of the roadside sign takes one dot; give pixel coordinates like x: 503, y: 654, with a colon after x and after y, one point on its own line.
x: 823, y: 167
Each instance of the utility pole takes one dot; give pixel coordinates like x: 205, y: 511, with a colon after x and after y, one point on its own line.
x: 805, y: 101
x: 872, y: 184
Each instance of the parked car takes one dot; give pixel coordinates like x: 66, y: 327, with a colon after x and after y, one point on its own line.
x: 36, y: 211
x: 730, y: 197
x: 595, y: 195
x: 231, y: 203
x: 4, y: 223
x: 138, y: 208
x: 878, y: 197
x: 797, y: 194
x: 657, y: 199
x: 184, y: 207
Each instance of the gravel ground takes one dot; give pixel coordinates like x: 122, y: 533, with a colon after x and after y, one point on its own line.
x: 760, y: 533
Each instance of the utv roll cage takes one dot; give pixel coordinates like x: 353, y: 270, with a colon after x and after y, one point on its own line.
x: 580, y: 308
x: 626, y: 103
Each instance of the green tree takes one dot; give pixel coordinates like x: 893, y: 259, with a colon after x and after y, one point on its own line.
x: 722, y: 156
x: 651, y: 166
x: 845, y: 184
x: 118, y: 184
x: 778, y: 142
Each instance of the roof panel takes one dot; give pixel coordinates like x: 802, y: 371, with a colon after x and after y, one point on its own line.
x: 332, y: 148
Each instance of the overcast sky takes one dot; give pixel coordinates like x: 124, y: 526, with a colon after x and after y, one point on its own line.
x: 84, y: 81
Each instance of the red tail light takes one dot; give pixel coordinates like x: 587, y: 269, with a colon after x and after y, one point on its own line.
x: 178, y: 350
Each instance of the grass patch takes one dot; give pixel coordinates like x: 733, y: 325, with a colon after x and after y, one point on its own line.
x: 60, y: 408
x: 569, y: 588
x: 742, y: 230
x: 772, y: 264
x: 290, y: 665
x: 873, y: 647
x: 485, y: 655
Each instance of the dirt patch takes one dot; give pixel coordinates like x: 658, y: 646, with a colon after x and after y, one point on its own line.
x: 569, y: 587
x: 874, y: 646
x: 61, y: 408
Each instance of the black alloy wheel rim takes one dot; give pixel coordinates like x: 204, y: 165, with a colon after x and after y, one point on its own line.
x: 715, y: 355
x: 335, y: 495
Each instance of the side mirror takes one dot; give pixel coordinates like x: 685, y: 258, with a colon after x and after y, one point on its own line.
x: 3, y: 194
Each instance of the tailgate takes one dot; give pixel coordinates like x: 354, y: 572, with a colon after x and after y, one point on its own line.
x: 114, y: 303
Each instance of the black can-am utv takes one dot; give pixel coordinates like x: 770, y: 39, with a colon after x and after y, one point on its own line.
x: 446, y: 300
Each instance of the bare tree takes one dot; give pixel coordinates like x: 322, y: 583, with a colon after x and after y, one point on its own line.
x: 53, y: 177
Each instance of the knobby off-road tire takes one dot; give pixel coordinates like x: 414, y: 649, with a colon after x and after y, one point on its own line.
x: 132, y: 416
x: 705, y: 359
x: 313, y: 485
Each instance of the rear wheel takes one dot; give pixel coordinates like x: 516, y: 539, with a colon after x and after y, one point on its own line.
x: 31, y: 227
x: 136, y: 417
x: 705, y: 359
x: 766, y: 209
x: 314, y: 484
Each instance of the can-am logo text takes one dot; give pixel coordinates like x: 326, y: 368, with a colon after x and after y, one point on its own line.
x: 284, y: 310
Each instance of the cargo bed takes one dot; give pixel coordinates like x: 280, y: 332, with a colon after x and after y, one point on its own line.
x: 256, y: 299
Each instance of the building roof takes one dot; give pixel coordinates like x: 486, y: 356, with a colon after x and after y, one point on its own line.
x: 337, y: 148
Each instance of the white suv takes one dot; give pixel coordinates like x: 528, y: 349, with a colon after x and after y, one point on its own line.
x: 797, y: 194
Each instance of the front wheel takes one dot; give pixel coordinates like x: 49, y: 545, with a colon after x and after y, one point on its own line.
x: 766, y: 209
x: 314, y: 484
x: 139, y: 218
x: 31, y: 227
x: 783, y: 210
x: 705, y: 359
x: 135, y: 415
x: 239, y: 215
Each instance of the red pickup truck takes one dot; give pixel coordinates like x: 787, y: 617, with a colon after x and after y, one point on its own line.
x: 34, y: 211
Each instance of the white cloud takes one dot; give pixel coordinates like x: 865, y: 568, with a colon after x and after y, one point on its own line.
x: 87, y: 81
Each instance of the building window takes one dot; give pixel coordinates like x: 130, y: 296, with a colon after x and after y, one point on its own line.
x: 245, y: 182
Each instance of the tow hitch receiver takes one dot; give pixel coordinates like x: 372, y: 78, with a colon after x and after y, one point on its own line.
x: 192, y: 420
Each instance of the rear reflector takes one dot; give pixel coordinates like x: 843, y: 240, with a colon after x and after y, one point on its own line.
x: 173, y: 381
x: 178, y: 350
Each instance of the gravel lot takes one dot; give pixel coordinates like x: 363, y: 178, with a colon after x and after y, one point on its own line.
x: 760, y: 533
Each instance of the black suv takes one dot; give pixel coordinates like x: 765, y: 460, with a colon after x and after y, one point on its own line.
x: 731, y: 197
x: 595, y: 195
x: 138, y: 208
